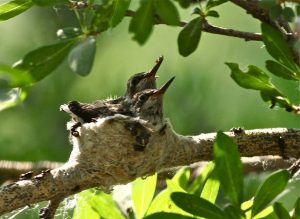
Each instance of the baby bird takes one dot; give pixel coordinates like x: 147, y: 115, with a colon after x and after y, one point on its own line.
x: 148, y: 104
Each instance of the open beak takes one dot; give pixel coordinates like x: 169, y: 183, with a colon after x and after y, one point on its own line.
x: 155, y: 68
x: 164, y: 88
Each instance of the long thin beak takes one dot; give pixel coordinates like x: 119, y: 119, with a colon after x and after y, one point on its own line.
x: 155, y: 68
x: 164, y: 88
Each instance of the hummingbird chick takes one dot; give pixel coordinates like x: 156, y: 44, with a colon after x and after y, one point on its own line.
x: 148, y: 104
x: 84, y: 112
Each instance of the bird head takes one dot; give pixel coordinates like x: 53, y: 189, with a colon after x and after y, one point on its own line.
x: 144, y: 80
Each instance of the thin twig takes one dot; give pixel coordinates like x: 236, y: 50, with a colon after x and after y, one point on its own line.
x: 214, y: 29
x: 49, y: 211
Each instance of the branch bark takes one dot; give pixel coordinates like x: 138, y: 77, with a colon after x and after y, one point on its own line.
x: 104, y: 156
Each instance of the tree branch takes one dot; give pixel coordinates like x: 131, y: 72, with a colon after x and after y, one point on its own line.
x: 214, y: 29
x: 104, y: 156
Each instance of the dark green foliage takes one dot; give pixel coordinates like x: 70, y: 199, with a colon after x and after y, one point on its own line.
x: 281, y: 211
x: 41, y: 62
x: 167, y: 12
x: 167, y: 215
x: 281, y: 70
x: 269, y: 189
x: 189, y: 37
x: 119, y: 10
x: 141, y: 24
x: 49, y: 2
x: 197, y: 206
x: 214, y: 3
x: 81, y: 57
x: 297, y: 208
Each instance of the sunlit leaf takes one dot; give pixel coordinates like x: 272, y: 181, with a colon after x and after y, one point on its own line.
x: 269, y: 189
x: 229, y: 168
x: 142, y: 194
x: 277, y: 46
x: 197, y: 206
x: 167, y: 12
x: 11, y: 77
x: 281, y: 211
x: 14, y: 8
x: 189, y: 37
x: 201, y: 178
x: 41, y: 62
x: 96, y: 204
x: 49, y: 2
x: 119, y: 10
x: 141, y: 24
x: 211, y: 187
x: 81, y: 57
x: 182, y: 177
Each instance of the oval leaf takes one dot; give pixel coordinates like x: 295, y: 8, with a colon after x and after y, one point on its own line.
x: 167, y: 12
x: 277, y: 46
x: 269, y: 189
x: 81, y: 57
x: 281, y: 71
x: 229, y: 168
x: 120, y: 8
x: 167, y: 215
x: 142, y: 194
x: 197, y: 206
x: 211, y: 188
x: 189, y: 37
x: 280, y: 211
x: 214, y: 3
x: 141, y: 24
x: 13, y: 8
x: 41, y: 62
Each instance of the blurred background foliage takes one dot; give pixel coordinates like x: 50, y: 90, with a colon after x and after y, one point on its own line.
x: 203, y: 98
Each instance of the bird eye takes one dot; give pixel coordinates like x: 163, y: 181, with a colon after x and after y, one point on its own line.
x: 143, y: 97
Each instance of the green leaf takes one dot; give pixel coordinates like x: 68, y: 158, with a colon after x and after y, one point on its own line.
x: 14, y: 8
x: 297, y: 208
x: 288, y: 14
x: 229, y: 168
x: 214, y: 3
x: 280, y: 211
x: 142, y: 194
x: 102, y: 17
x: 167, y: 215
x: 277, y: 46
x: 81, y: 57
x: 189, y: 37
x: 197, y: 206
x: 281, y: 71
x: 269, y: 189
x: 96, y: 204
x: 68, y: 33
x: 212, y: 13
x: 182, y: 177
x: 119, y: 10
x: 167, y: 12
x: 49, y: 2
x: 141, y: 24
x: 254, y: 78
x: 211, y: 188
x: 11, y: 97
x: 257, y: 79
x: 232, y: 212
x: 13, y: 77
x: 275, y: 12
x: 201, y: 178
x: 41, y: 62
x: 184, y: 3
